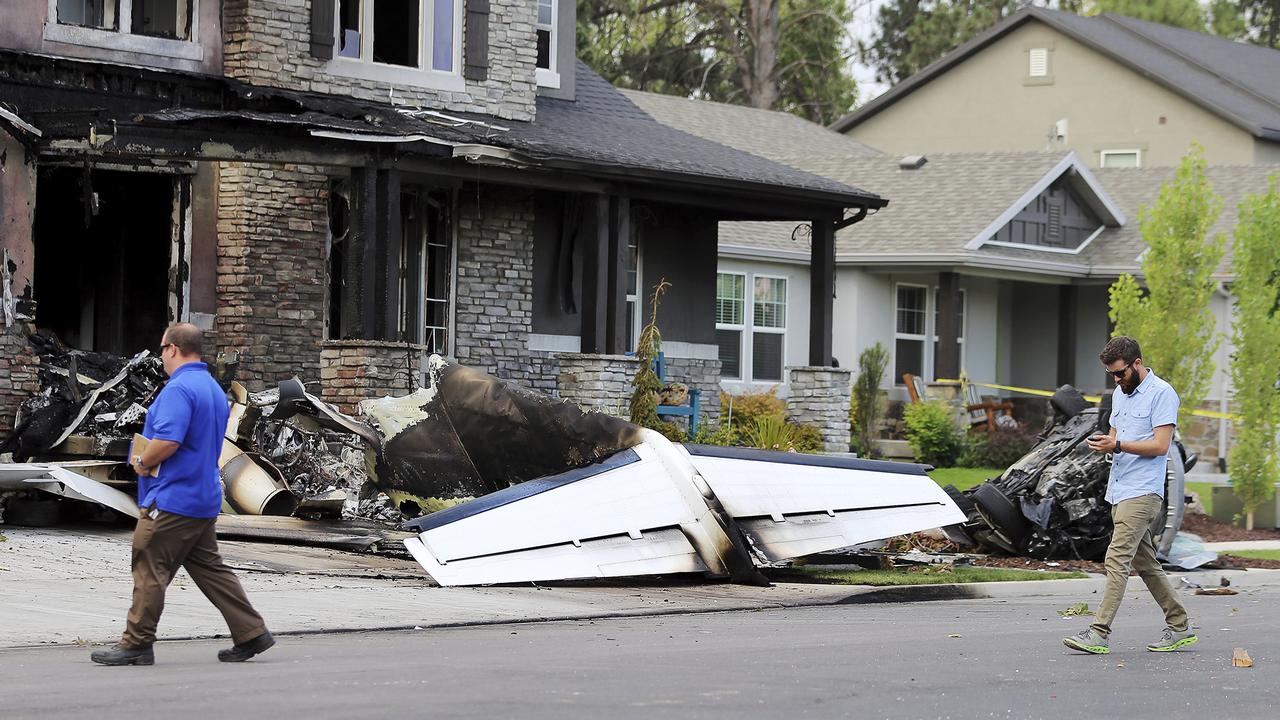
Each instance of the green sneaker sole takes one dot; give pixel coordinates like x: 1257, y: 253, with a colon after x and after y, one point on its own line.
x: 1184, y: 642
x: 1092, y: 649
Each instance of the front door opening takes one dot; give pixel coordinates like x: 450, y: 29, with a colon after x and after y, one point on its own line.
x: 103, y: 243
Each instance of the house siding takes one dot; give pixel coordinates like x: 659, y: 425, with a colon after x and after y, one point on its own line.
x: 983, y: 104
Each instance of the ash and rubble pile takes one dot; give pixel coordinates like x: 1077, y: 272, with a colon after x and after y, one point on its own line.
x: 1051, y: 503
x: 91, y: 394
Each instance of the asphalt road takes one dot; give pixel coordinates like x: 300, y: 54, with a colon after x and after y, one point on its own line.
x: 865, y: 661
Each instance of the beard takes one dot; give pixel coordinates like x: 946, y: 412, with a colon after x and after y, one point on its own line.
x: 1130, y: 382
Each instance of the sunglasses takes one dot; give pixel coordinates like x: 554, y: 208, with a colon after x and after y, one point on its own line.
x: 1119, y: 374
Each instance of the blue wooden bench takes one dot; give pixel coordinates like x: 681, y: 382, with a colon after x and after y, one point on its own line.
x: 691, y: 410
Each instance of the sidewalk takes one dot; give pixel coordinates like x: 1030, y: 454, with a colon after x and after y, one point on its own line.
x: 73, y: 585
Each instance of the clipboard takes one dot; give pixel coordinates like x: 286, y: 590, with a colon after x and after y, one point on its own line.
x: 136, y: 448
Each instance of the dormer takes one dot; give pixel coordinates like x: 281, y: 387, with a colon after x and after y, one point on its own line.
x: 556, y: 24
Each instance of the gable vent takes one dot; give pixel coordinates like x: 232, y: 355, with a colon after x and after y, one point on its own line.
x: 1039, y: 62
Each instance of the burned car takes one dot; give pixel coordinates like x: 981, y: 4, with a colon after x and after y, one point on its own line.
x: 1050, y: 504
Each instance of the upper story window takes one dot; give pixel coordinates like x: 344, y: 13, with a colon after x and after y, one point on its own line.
x: 416, y: 34
x: 1121, y: 158
x: 548, y: 73
x: 149, y: 27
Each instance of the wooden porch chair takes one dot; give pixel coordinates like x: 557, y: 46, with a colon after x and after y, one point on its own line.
x: 984, y: 413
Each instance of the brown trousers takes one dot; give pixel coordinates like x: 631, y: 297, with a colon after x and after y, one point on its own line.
x: 162, y: 545
x: 1132, y: 548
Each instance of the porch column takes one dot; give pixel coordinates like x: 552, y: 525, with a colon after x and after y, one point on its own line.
x: 595, y: 284
x: 616, y: 269
x: 947, y: 364
x: 1067, y: 302
x: 822, y: 290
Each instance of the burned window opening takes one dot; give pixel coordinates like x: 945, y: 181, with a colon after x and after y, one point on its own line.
x: 100, y: 14
x: 162, y: 18
x: 103, y: 247
x: 396, y: 27
x: 424, y: 259
x: 349, y: 28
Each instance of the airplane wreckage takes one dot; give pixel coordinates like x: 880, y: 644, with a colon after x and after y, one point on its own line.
x: 509, y: 485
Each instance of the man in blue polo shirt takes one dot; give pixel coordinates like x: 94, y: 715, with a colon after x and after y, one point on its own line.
x: 1144, y: 414
x: 179, y: 505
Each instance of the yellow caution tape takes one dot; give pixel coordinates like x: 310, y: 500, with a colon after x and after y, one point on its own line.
x: 1091, y: 398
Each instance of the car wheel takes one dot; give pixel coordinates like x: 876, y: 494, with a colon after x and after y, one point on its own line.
x: 1001, y: 513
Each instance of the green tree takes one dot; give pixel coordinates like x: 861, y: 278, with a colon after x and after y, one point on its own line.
x: 1172, y: 320
x: 791, y: 55
x: 1260, y: 20
x: 911, y: 34
x: 1254, y: 467
x: 1189, y: 14
x: 867, y: 403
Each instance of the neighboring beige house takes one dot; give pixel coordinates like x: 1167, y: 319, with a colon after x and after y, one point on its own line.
x: 1119, y: 92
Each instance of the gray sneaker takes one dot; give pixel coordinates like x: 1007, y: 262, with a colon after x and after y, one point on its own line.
x: 1173, y: 640
x: 1088, y: 640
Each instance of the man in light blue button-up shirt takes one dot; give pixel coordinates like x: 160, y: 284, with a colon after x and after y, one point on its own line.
x: 1144, y: 414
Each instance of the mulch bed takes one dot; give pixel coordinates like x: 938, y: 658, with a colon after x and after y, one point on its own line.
x: 1211, y: 530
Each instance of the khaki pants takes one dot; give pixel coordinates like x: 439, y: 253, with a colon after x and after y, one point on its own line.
x: 1133, y: 548
x: 162, y: 545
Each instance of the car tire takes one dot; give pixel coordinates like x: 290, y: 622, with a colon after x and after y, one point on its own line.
x: 1001, y: 513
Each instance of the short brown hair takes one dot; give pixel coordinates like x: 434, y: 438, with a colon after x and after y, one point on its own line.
x: 1120, y: 347
x: 186, y: 337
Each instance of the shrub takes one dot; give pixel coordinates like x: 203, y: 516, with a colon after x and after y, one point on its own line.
x: 806, y: 438
x: 748, y: 409
x: 997, y: 448
x: 866, y: 404
x: 932, y: 433
x: 774, y: 432
x: 708, y: 435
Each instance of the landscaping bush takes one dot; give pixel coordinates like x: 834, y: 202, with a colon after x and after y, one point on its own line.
x: 748, y: 408
x: 932, y: 433
x: 866, y: 404
x: 997, y: 448
x: 775, y: 432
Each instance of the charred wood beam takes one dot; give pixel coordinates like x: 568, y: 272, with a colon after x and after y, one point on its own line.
x: 387, y: 241
x: 822, y: 290
x: 948, y: 352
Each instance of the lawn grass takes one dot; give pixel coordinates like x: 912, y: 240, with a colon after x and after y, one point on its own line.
x: 964, y: 478
x: 1259, y: 554
x: 1205, y: 491
x: 933, y: 575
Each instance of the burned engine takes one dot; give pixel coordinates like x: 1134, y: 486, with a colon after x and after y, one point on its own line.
x: 1050, y: 504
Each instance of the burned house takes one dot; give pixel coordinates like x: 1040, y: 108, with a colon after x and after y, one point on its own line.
x: 338, y: 188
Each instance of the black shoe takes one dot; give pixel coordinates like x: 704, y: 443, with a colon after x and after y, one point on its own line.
x: 244, y: 651
x: 121, y: 655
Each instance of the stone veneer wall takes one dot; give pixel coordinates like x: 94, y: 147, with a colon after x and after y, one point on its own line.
x: 698, y: 374
x: 819, y: 396
x: 19, y: 366
x: 273, y: 224
x: 598, y: 382
x: 354, y: 370
x: 494, y: 298
x: 268, y: 42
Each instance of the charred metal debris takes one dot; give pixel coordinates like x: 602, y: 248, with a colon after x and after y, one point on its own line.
x: 1050, y: 504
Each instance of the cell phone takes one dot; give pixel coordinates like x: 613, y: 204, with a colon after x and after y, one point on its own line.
x: 1095, y: 438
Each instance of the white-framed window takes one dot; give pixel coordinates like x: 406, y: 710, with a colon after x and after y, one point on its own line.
x: 413, y: 42
x: 751, y: 326
x: 959, y: 324
x: 1038, y: 62
x: 548, y: 71
x: 731, y: 321
x: 768, y: 327
x: 911, y: 316
x: 634, y: 283
x: 1121, y: 158
x: 168, y: 28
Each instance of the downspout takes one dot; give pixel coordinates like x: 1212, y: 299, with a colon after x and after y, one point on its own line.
x: 1224, y: 425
